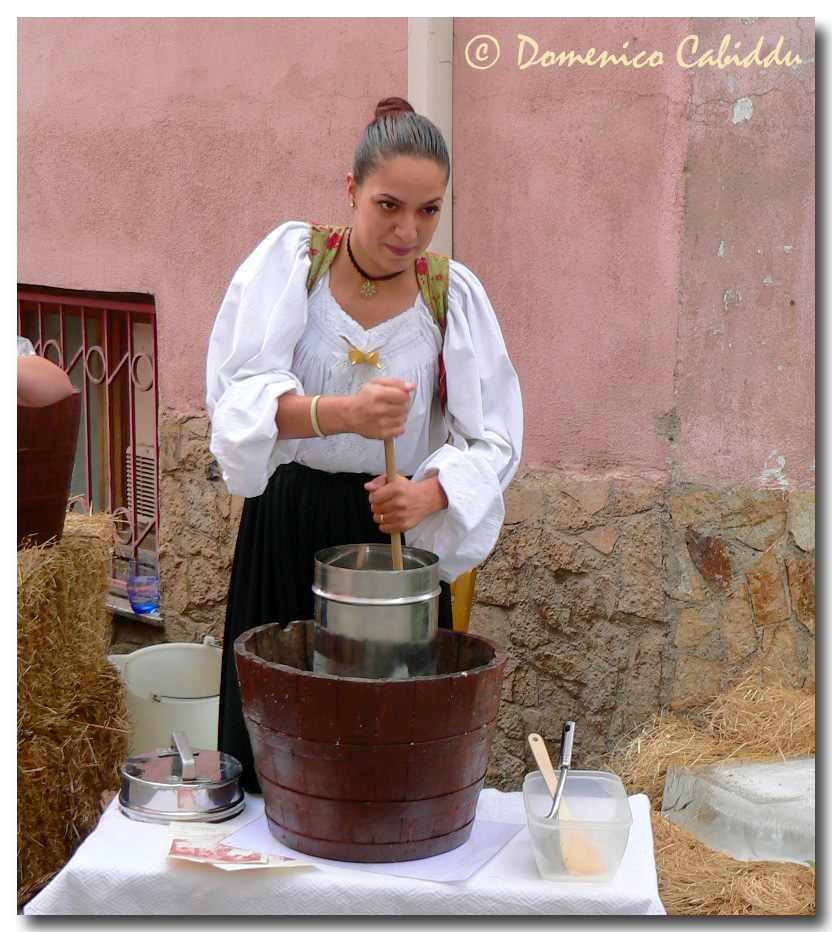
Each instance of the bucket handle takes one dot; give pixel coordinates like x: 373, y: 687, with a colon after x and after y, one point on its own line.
x: 158, y: 697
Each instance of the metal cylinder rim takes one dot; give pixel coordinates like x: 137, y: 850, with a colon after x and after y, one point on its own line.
x: 428, y: 558
x: 362, y: 600
x: 363, y: 575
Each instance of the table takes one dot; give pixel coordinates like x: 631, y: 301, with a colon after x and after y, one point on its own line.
x: 122, y: 869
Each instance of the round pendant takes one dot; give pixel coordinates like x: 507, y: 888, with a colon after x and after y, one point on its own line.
x: 368, y: 289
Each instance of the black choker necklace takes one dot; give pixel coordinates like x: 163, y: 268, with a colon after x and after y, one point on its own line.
x: 367, y: 289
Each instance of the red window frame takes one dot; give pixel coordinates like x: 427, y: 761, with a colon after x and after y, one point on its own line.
x: 93, y: 338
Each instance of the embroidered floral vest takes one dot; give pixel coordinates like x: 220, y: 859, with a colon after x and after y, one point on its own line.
x: 431, y: 272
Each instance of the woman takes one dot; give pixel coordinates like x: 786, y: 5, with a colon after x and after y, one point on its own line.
x: 304, y: 384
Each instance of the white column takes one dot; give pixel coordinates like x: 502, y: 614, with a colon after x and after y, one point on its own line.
x: 430, y: 44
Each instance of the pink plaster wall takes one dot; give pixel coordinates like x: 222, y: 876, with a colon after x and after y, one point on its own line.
x: 745, y: 392
x: 154, y: 154
x: 593, y: 201
x: 568, y: 194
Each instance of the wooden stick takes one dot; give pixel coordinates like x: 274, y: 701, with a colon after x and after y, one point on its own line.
x: 395, y: 537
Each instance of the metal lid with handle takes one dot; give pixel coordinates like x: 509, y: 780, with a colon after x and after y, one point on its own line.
x: 181, y: 784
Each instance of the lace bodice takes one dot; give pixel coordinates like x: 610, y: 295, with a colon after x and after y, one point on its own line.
x: 408, y: 347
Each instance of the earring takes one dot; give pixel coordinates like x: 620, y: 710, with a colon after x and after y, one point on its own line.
x: 352, y: 204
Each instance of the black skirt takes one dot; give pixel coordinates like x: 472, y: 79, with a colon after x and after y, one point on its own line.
x: 301, y: 512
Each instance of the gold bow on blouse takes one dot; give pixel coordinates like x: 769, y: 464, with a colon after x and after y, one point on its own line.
x: 357, y: 358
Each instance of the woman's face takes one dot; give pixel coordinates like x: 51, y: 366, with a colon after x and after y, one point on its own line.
x: 396, y: 212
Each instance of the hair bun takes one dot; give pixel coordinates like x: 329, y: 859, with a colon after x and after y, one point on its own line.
x: 392, y: 105
x: 397, y: 130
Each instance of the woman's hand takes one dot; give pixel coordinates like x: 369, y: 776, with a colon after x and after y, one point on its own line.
x: 403, y: 503
x: 379, y: 410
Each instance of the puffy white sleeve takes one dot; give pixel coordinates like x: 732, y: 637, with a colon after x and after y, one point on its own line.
x: 484, y: 415
x: 260, y: 321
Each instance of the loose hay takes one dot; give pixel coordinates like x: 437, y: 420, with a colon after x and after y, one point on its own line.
x: 694, y: 880
x: 748, y: 722
x: 72, y: 728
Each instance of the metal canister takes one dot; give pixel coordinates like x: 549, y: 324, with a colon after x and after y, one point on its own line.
x: 373, y: 621
x: 181, y: 784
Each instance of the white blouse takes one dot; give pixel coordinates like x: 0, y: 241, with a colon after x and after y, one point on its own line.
x: 270, y: 337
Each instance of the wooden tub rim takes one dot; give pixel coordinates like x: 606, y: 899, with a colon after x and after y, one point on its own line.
x: 499, y: 658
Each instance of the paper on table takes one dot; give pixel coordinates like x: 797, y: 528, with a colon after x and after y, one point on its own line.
x: 485, y: 840
x: 207, y: 843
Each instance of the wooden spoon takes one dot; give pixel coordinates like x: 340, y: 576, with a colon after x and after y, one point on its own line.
x: 580, y: 856
x: 395, y: 537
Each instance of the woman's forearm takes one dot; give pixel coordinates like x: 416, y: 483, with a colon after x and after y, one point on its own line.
x: 377, y: 411
x: 432, y: 495
x: 294, y: 418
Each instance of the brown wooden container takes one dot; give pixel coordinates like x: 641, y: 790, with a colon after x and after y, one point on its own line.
x: 368, y: 770
x: 46, y: 441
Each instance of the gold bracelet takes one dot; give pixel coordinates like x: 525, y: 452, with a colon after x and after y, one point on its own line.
x: 313, y: 414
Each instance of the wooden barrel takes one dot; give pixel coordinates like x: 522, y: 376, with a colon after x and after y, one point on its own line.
x: 368, y: 770
x: 46, y: 441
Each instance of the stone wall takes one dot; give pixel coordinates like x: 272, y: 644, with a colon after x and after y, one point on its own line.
x: 615, y: 596
x: 199, y: 520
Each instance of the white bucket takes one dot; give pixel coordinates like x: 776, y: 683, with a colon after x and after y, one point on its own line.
x: 172, y: 687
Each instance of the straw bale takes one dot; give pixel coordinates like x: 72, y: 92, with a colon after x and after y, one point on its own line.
x: 72, y: 730
x: 749, y: 721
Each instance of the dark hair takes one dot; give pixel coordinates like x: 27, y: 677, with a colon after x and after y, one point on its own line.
x: 398, y: 130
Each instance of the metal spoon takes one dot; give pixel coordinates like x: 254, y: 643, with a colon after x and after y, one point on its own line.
x: 565, y: 763
x: 544, y: 762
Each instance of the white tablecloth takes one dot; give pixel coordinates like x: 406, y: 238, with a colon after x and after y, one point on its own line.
x: 122, y: 868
